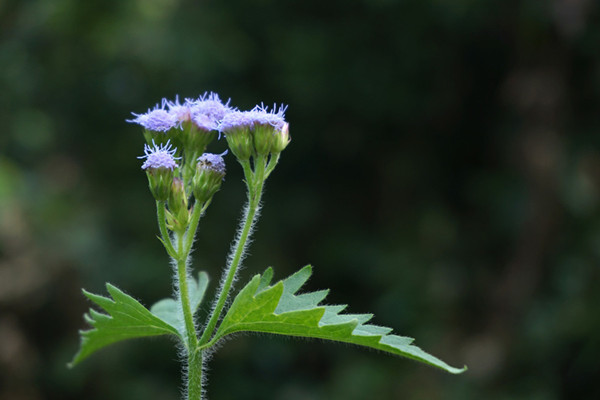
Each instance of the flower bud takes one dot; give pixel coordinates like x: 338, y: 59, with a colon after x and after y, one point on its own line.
x: 210, y: 172
x: 178, y: 205
x: 159, y: 166
x: 197, y: 134
x: 281, y: 139
x: 240, y: 142
x: 263, y: 139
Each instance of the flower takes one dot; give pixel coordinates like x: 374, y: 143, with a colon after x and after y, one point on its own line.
x: 259, y: 115
x: 255, y: 132
x: 213, y: 162
x: 205, y: 123
x: 210, y: 172
x: 159, y: 166
x: 210, y: 104
x: 207, y: 111
x: 180, y: 112
x: 159, y: 157
x: 157, y: 119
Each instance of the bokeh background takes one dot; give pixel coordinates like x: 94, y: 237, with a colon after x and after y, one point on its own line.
x: 444, y: 174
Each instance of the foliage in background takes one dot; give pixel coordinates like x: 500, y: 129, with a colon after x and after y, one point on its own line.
x: 462, y: 138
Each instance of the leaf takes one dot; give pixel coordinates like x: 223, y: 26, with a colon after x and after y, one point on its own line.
x: 126, y: 319
x: 168, y: 309
x: 278, y: 309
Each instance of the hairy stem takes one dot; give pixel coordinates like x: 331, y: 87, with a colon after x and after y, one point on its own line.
x: 194, y: 368
x: 184, y: 296
x: 255, y: 182
x: 194, y: 375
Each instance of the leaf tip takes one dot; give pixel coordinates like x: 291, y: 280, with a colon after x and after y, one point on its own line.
x: 75, y: 361
x: 457, y: 371
x: 202, y: 275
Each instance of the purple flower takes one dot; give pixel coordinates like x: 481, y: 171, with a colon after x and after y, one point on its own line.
x: 213, y: 162
x: 180, y: 112
x: 205, y: 112
x: 259, y: 115
x: 205, y: 123
x: 210, y: 104
x: 159, y: 157
x: 208, y: 110
x: 157, y: 119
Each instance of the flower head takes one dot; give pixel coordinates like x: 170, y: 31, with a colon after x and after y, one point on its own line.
x: 157, y: 119
x: 158, y: 157
x: 210, y: 104
x: 254, y: 132
x: 180, y: 112
x: 207, y: 111
x: 205, y: 122
x: 210, y: 172
x: 259, y: 115
x: 212, y: 161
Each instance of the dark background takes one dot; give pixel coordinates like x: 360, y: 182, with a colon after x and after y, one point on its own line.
x: 444, y: 174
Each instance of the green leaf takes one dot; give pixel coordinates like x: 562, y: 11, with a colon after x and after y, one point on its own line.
x: 278, y: 309
x: 168, y: 309
x: 126, y: 319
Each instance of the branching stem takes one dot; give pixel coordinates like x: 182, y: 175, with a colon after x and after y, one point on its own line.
x: 255, y: 182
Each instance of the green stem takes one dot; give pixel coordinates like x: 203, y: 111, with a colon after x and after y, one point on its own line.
x: 162, y: 226
x: 184, y: 296
x: 194, y: 358
x: 255, y: 182
x: 194, y: 375
x: 193, y: 226
x: 272, y: 164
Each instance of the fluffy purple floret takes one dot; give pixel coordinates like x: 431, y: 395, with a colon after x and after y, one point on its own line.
x: 206, y: 111
x: 205, y: 122
x: 180, y: 112
x: 259, y: 115
x: 210, y: 105
x: 157, y: 119
x: 159, y: 157
x: 212, y: 161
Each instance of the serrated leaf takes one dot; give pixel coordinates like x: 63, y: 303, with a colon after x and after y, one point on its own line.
x: 126, y: 319
x: 278, y: 309
x: 169, y: 310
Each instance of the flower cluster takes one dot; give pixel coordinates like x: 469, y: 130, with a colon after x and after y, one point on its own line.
x: 256, y: 132
x: 205, y: 112
x: 190, y: 126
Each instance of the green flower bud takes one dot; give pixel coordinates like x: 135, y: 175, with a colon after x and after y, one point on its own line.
x: 178, y: 205
x: 196, y: 138
x: 210, y: 172
x: 281, y: 139
x: 263, y: 139
x: 240, y: 142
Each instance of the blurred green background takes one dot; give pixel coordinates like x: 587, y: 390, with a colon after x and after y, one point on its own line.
x: 444, y: 174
